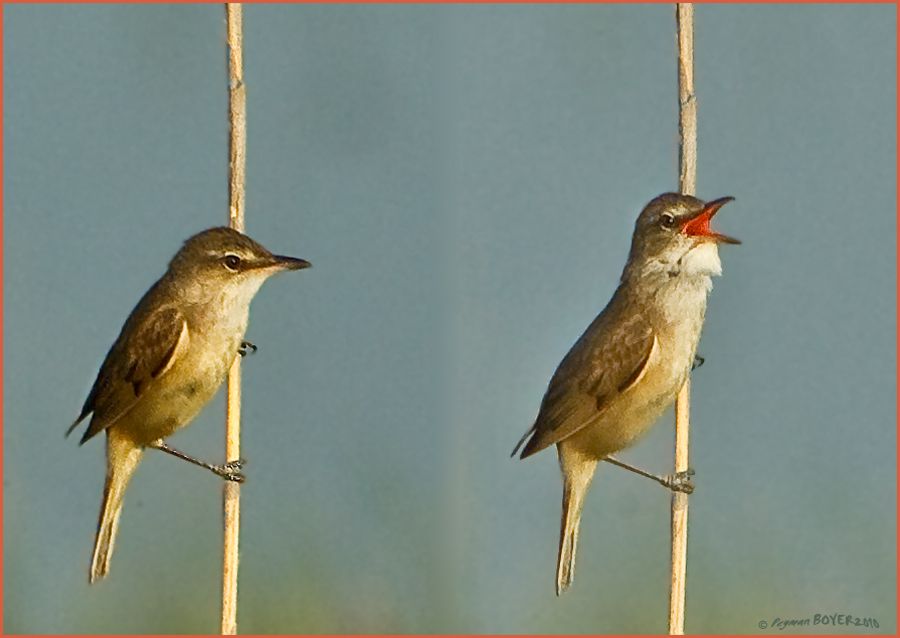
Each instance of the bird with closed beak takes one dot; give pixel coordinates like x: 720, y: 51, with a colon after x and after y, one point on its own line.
x: 171, y: 356
x: 630, y: 363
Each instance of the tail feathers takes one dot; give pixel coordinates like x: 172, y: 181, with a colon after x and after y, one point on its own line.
x: 575, y: 487
x: 565, y: 569
x: 123, y: 457
x: 106, y: 538
x: 568, y: 543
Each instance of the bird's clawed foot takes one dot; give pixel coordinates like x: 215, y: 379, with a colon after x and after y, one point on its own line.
x: 246, y: 348
x: 680, y: 481
x: 698, y: 361
x: 231, y: 471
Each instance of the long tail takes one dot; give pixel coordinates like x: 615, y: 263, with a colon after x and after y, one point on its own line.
x: 122, y: 458
x: 578, y: 472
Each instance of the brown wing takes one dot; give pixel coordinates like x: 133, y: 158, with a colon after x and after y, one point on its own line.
x: 144, y: 351
x: 608, y: 359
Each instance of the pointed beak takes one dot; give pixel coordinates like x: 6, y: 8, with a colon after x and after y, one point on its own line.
x: 698, y: 225
x: 290, y: 263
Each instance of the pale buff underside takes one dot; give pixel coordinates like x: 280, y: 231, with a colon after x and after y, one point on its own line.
x: 676, y: 333
x: 197, y: 369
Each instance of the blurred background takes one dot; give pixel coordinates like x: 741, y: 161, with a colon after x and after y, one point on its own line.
x: 465, y: 180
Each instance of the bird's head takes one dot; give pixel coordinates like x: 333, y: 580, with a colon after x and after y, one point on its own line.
x: 226, y: 261
x: 674, y: 230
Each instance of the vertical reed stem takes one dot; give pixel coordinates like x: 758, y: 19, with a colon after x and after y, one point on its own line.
x: 237, y: 155
x: 687, y: 125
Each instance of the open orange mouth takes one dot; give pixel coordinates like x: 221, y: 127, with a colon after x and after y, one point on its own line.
x: 698, y: 225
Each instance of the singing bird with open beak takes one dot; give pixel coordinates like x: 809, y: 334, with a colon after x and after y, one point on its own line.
x: 170, y: 358
x: 629, y: 364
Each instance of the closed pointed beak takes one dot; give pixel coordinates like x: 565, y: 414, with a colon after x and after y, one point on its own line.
x: 290, y: 263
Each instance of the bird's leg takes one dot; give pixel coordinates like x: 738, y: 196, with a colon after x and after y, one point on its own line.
x: 246, y: 348
x: 230, y: 471
x: 698, y: 361
x: 678, y: 482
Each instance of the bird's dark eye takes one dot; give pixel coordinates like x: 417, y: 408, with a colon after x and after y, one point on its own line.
x: 667, y: 220
x: 232, y: 262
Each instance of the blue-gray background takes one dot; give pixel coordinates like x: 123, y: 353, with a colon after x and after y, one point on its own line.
x: 464, y: 179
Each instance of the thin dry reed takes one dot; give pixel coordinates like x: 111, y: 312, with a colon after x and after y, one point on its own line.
x: 687, y: 125
x: 237, y: 153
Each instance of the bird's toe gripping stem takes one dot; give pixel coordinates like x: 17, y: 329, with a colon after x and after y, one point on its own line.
x: 680, y: 481
x: 231, y: 471
x: 246, y: 348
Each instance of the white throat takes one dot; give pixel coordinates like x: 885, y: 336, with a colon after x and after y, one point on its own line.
x: 702, y: 260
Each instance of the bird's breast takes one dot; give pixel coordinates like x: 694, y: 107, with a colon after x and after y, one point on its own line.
x: 176, y: 397
x: 631, y: 414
